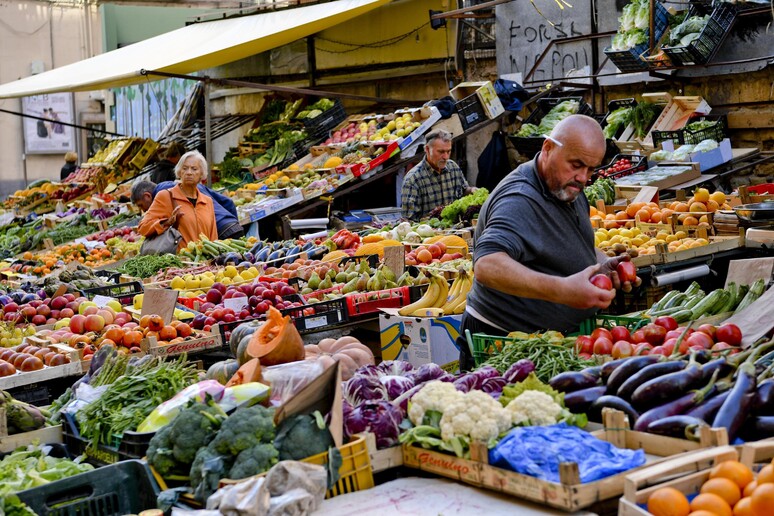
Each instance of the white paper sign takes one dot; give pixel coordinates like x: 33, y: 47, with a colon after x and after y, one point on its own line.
x: 102, y: 301
x: 235, y: 303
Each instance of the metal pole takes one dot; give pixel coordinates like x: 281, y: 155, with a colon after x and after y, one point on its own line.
x: 207, y: 129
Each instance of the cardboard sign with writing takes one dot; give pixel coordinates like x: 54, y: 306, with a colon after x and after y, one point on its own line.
x: 102, y: 301
x: 235, y: 303
x: 323, y: 394
x: 159, y: 301
x: 394, y: 259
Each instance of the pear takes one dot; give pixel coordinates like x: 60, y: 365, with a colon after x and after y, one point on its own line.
x: 421, y: 279
x: 352, y: 275
x: 306, y: 290
x: 341, y: 277
x: 326, y: 283
x: 405, y: 280
x: 352, y: 268
x: 350, y: 287
x: 362, y: 282
x: 387, y: 273
x: 375, y: 283
x: 331, y: 274
x: 363, y: 267
x: 314, y: 281
x: 390, y: 284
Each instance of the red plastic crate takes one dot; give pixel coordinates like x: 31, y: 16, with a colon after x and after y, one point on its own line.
x: 366, y: 303
x: 766, y: 188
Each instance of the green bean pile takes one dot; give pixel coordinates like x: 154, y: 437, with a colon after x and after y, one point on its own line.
x: 550, y: 358
x: 145, y: 266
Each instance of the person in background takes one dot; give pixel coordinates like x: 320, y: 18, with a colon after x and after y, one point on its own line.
x: 165, y: 168
x: 534, y: 253
x: 69, y: 167
x: 183, y: 206
x: 435, y: 181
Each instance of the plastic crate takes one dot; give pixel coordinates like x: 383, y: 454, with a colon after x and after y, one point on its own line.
x: 608, y: 321
x: 34, y: 394
x: 317, y: 128
x: 639, y: 299
x: 639, y: 164
x: 131, y: 445
x: 367, y: 303
x: 123, y: 292
x: 630, y: 61
x: 531, y: 145
x: 612, y: 106
x: 111, y: 276
x: 225, y: 328
x: 682, y: 136
x: 701, y: 50
x: 471, y: 111
x: 124, y: 488
x: 318, y: 316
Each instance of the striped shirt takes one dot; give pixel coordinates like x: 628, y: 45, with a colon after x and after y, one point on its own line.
x: 424, y: 189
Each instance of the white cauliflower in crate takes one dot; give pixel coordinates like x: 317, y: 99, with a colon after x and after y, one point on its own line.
x: 433, y: 396
x: 534, y: 408
x: 476, y: 415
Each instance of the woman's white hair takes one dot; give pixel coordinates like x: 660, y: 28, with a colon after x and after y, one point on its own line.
x: 196, y: 155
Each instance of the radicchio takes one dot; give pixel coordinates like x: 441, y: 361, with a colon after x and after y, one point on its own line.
x: 381, y: 418
x: 519, y: 371
x: 396, y: 385
x: 359, y: 389
x: 395, y: 367
x: 427, y: 372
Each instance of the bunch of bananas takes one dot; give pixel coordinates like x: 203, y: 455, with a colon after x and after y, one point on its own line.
x: 440, y: 299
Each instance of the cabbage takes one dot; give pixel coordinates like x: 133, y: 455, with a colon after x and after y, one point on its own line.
x: 527, y: 130
x: 394, y: 367
x: 642, y: 15
x: 691, y: 26
x: 689, y: 38
x: 378, y: 417
x: 706, y: 145
x: 662, y: 155
x: 396, y: 385
x: 359, y: 389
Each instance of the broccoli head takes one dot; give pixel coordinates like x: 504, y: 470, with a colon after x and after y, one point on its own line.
x: 254, y: 460
x: 160, y: 454
x: 302, y: 436
x: 206, y: 471
x: 193, y: 428
x: 245, y: 428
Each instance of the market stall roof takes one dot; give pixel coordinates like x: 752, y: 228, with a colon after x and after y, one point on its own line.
x: 192, y: 48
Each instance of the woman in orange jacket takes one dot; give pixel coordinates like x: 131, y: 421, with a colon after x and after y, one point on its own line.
x: 188, y: 209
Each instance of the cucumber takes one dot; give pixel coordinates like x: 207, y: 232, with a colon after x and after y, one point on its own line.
x: 703, y: 306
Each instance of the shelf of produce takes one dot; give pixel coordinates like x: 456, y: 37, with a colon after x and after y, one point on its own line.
x: 567, y: 495
x: 46, y: 435
x: 74, y: 368
x: 717, y: 244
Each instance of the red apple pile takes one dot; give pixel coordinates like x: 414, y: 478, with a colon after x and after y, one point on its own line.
x: 127, y: 234
x: 40, y: 312
x: 660, y: 338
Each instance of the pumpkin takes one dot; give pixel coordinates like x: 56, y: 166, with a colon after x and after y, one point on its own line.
x: 241, y: 331
x: 249, y: 372
x: 347, y: 351
x: 277, y: 341
x: 241, y: 354
x: 222, y: 371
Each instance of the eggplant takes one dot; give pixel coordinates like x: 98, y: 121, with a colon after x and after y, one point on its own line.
x: 595, y: 371
x: 667, y: 387
x: 763, y: 402
x: 719, y: 364
x: 317, y: 252
x: 308, y: 245
x: 626, y: 390
x: 614, y: 402
x: 738, y: 404
x: 276, y: 255
x: 578, y: 402
x: 570, y: 381
x: 627, y: 369
x: 262, y: 255
x: 707, y: 409
x: 259, y: 245
x: 292, y: 254
x: 609, y: 367
x: 676, y: 407
x: 757, y: 428
x: 681, y: 427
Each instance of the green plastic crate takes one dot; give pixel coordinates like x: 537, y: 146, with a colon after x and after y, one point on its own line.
x: 127, y: 487
x: 608, y: 321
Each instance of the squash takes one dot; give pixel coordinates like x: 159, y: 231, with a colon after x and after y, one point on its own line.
x: 249, y: 372
x: 277, y: 341
x: 241, y: 354
x: 335, y: 256
x: 373, y: 237
x: 222, y: 371
x: 241, y: 331
x: 347, y: 351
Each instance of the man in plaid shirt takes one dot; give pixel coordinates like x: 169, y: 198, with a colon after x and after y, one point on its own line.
x: 435, y: 181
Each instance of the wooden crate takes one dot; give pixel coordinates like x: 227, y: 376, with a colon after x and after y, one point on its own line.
x: 45, y: 435
x: 206, y: 342
x: 382, y: 459
x: 568, y: 494
x: 685, y: 473
x: 74, y: 368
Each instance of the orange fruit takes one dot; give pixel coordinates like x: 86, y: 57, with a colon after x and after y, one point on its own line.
x: 749, y: 488
x: 765, y: 475
x: 719, y: 197
x: 643, y: 215
x: 633, y: 208
x: 691, y: 221
x: 702, y: 513
x: 733, y: 470
x: 701, y: 195
x: 724, y: 488
x: 743, y: 507
x: 762, y: 503
x: 712, y: 206
x: 424, y: 256
x: 697, y: 207
x: 712, y: 503
x: 680, y: 206
x: 656, y: 217
x: 668, y: 501
x: 621, y: 215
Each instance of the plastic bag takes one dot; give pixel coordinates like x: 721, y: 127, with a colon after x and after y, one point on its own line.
x: 287, y: 379
x: 166, y: 412
x: 244, y: 395
x: 538, y: 450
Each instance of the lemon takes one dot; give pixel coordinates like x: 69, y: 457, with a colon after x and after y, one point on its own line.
x: 254, y: 272
x: 230, y: 271
x: 226, y: 280
x: 681, y: 234
x: 238, y: 279
x: 612, y: 232
x: 616, y: 239
x: 115, y: 305
x: 177, y: 283
x: 626, y: 233
x: 246, y: 274
x: 671, y: 238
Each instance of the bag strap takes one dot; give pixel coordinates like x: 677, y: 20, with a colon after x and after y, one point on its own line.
x: 174, y: 205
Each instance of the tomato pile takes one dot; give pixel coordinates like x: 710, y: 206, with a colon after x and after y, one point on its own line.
x: 619, y: 166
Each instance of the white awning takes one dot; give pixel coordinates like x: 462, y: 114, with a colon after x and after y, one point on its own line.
x: 192, y: 48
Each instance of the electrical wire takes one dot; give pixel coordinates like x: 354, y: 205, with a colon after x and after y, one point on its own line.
x: 376, y: 44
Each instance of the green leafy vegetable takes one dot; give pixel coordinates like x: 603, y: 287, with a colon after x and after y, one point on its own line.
x: 30, y: 467
x: 615, y: 120
x: 453, y: 211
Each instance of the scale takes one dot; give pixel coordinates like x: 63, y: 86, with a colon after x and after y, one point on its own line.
x: 385, y: 215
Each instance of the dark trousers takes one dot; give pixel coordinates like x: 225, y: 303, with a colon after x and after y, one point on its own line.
x: 473, y: 325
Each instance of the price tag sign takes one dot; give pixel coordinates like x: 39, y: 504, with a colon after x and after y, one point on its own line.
x: 159, y: 301
x: 235, y: 303
x: 102, y: 301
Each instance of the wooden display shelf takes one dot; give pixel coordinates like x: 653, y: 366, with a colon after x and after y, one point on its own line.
x: 45, y: 435
x: 716, y: 245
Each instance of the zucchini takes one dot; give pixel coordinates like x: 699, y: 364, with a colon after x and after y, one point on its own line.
x: 677, y: 300
x: 703, y: 306
x: 756, y: 291
x: 693, y: 288
x: 682, y: 316
x: 695, y: 299
x: 667, y: 311
x: 722, y: 300
x: 661, y: 303
x: 730, y: 299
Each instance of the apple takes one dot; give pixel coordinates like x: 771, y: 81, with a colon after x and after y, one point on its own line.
x: 77, y: 323
x: 69, y: 297
x: 268, y: 294
x: 44, y: 310
x: 626, y: 272
x: 94, y: 323
x: 58, y: 303
x: 220, y: 287
x: 602, y: 281
x: 84, y: 305
x: 62, y: 323
x: 108, y: 315
x: 10, y: 307
x: 39, y: 320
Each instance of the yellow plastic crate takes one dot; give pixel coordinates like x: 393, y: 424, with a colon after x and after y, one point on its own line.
x: 355, y: 473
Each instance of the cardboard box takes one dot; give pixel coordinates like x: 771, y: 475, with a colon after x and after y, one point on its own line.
x: 425, y: 126
x: 663, y: 176
x: 486, y: 94
x: 706, y: 160
x: 420, y: 340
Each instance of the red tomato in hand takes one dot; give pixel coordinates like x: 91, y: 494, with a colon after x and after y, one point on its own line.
x: 602, y: 281
x: 626, y: 272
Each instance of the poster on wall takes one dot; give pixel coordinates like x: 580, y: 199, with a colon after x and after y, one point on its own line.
x: 49, y: 135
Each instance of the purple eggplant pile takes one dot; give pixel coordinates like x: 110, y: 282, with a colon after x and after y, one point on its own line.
x: 677, y: 395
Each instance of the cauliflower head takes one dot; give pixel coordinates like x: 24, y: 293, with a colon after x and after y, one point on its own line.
x: 475, y: 415
x: 433, y: 396
x: 534, y: 408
